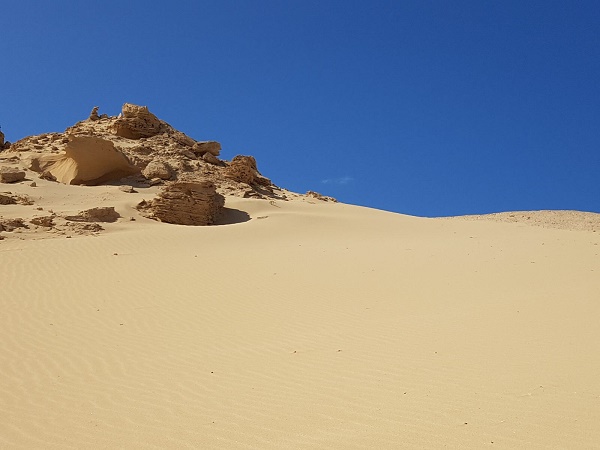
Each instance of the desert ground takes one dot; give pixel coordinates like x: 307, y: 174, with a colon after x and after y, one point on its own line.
x: 293, y: 322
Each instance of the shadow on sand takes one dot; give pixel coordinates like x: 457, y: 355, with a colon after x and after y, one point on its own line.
x: 230, y: 216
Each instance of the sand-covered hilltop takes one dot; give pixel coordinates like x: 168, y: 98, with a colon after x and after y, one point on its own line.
x: 133, y: 165
x: 291, y: 322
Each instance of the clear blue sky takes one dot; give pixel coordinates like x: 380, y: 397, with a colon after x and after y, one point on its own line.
x: 424, y: 107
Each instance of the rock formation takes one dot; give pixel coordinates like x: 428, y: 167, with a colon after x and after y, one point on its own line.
x: 157, y: 169
x: 152, y: 147
x: 136, y: 122
x: 185, y: 203
x: 321, y: 197
x: 11, y: 224
x: 210, y: 158
x: 11, y: 175
x: 138, y: 150
x: 212, y: 147
x: 87, y: 160
x: 43, y: 221
x: 94, y: 114
x: 98, y: 214
x: 8, y: 198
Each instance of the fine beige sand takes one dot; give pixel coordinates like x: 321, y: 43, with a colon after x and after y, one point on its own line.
x: 311, y: 325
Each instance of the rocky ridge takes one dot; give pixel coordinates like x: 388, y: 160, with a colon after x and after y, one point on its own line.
x: 137, y: 152
x: 147, y: 147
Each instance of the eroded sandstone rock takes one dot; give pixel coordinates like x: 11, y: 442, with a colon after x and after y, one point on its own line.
x: 136, y: 122
x: 210, y: 158
x: 157, y: 169
x: 11, y: 175
x: 242, y: 169
x: 183, y: 138
x: 87, y: 160
x: 212, y: 147
x: 6, y: 198
x: 99, y: 214
x: 11, y: 224
x: 185, y: 203
x: 43, y: 221
x: 321, y: 197
x: 94, y: 114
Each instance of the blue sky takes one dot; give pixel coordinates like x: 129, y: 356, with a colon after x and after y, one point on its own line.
x: 423, y: 107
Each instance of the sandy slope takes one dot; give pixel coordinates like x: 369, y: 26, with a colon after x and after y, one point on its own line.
x: 313, y: 325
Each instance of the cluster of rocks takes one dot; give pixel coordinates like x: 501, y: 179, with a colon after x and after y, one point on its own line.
x: 153, y: 149
x: 12, y: 224
x: 8, y: 198
x: 324, y: 198
x: 84, y: 222
x: 138, y: 149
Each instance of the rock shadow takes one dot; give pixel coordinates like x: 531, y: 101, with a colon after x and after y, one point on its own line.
x: 230, y: 216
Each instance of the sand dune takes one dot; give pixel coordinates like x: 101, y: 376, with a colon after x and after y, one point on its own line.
x: 312, y: 325
x: 293, y: 323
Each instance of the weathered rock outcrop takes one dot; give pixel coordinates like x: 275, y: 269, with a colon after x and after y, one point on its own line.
x: 210, y: 158
x: 8, y: 198
x: 11, y: 175
x: 182, y: 139
x: 11, y: 224
x: 99, y: 214
x: 86, y: 160
x: 3, y: 145
x: 321, y: 197
x: 94, y: 114
x: 136, y: 122
x: 43, y: 221
x: 105, y: 148
x: 212, y: 147
x: 157, y: 169
x: 242, y: 169
x: 185, y: 203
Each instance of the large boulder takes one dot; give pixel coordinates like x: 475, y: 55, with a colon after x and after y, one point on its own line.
x: 136, y: 122
x: 242, y: 169
x: 157, y: 169
x: 11, y: 175
x: 185, y: 203
x: 86, y: 160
